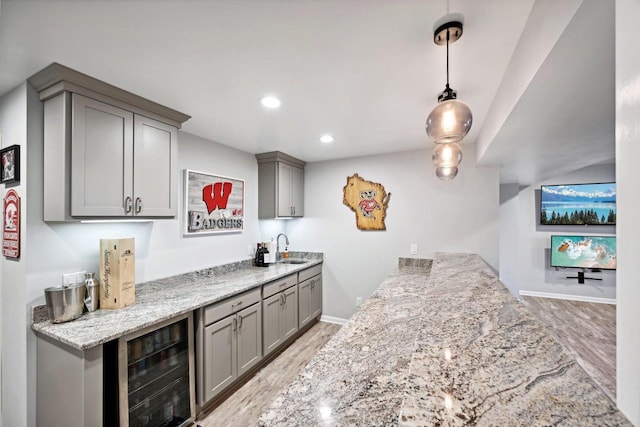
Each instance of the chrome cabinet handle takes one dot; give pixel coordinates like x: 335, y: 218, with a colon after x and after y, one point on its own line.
x: 235, y: 323
x: 128, y: 203
x: 138, y: 205
x: 239, y: 322
x: 294, y: 210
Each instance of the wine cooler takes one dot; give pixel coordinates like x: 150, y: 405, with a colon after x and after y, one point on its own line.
x: 156, y: 375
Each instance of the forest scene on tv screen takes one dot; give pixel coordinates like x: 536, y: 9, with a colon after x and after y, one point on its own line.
x: 578, y: 204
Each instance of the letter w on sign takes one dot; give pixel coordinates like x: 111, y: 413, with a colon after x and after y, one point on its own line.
x: 216, y: 195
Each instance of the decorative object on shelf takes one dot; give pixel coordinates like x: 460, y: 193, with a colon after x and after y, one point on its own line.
x: 10, y: 159
x: 368, y: 200
x: 451, y: 119
x: 11, y: 228
x: 213, y: 204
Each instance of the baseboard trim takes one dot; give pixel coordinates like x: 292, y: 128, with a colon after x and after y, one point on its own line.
x: 568, y: 297
x: 331, y: 319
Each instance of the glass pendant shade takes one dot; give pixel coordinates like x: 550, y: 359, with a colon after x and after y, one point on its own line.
x: 447, y: 173
x: 447, y: 155
x: 449, y: 121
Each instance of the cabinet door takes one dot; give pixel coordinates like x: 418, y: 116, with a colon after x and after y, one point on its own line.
x: 316, y: 296
x: 101, y: 158
x: 155, y: 169
x: 249, y: 337
x: 297, y: 191
x: 290, y: 312
x: 220, y: 365
x: 271, y: 313
x: 304, y: 300
x: 285, y: 208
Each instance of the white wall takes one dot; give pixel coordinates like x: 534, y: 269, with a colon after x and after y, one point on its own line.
x: 13, y: 128
x: 459, y: 215
x: 509, y: 221
x: 628, y: 177
x: 524, y: 244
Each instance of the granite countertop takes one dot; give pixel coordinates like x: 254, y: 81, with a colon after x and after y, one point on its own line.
x: 164, y: 299
x: 443, y: 345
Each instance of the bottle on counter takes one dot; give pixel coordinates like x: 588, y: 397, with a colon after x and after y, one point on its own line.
x: 285, y: 255
x: 266, y: 256
x: 273, y: 256
x: 259, y: 261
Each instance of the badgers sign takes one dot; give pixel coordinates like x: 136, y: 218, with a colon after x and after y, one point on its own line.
x: 213, y: 203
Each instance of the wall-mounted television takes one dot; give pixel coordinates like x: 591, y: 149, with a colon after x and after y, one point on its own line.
x: 578, y: 204
x: 587, y: 252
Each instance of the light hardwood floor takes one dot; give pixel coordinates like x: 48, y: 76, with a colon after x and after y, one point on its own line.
x: 588, y: 330
x: 244, y: 406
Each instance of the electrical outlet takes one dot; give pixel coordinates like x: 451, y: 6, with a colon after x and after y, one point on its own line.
x: 250, y: 250
x: 358, y: 301
x: 413, y: 249
x: 73, y: 278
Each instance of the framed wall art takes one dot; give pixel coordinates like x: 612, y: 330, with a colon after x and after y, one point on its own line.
x: 368, y: 200
x: 10, y: 163
x: 213, y: 203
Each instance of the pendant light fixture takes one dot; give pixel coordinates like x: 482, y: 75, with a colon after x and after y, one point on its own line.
x: 451, y: 119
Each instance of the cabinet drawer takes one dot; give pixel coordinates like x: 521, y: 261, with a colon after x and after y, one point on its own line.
x: 223, y: 309
x: 309, y: 272
x: 279, y: 285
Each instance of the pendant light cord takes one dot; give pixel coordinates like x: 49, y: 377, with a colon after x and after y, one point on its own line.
x: 447, y: 58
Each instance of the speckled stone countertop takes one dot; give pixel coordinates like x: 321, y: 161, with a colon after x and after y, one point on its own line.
x: 164, y: 299
x: 443, y: 345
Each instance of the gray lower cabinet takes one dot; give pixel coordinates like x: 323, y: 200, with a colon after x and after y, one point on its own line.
x: 309, y: 295
x: 230, y: 343
x: 280, y: 312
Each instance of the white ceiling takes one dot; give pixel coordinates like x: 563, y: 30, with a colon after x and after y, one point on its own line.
x: 366, y: 71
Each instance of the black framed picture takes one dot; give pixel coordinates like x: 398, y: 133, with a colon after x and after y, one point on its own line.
x: 10, y: 162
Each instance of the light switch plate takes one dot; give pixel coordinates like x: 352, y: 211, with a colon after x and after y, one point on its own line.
x: 413, y: 249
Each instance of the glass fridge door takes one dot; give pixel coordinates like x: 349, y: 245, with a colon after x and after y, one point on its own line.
x: 156, y: 375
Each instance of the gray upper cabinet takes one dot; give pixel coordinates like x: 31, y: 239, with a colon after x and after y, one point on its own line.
x: 122, y: 164
x: 107, y: 153
x: 101, y: 158
x: 281, y: 185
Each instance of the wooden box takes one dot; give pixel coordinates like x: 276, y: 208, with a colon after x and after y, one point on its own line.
x: 117, y: 273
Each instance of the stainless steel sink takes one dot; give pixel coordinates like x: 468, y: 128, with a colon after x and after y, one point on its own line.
x: 293, y: 261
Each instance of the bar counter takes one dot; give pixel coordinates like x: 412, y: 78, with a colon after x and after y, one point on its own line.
x: 443, y: 343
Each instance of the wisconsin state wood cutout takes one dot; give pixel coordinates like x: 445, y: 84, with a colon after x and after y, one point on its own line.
x: 369, y: 202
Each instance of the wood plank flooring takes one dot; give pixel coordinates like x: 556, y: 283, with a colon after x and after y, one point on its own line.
x: 588, y: 330
x: 245, y: 406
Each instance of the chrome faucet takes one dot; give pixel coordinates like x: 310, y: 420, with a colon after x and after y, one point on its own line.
x: 286, y: 242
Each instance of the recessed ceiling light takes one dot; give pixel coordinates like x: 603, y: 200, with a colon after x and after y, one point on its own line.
x: 326, y: 138
x: 270, y: 101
